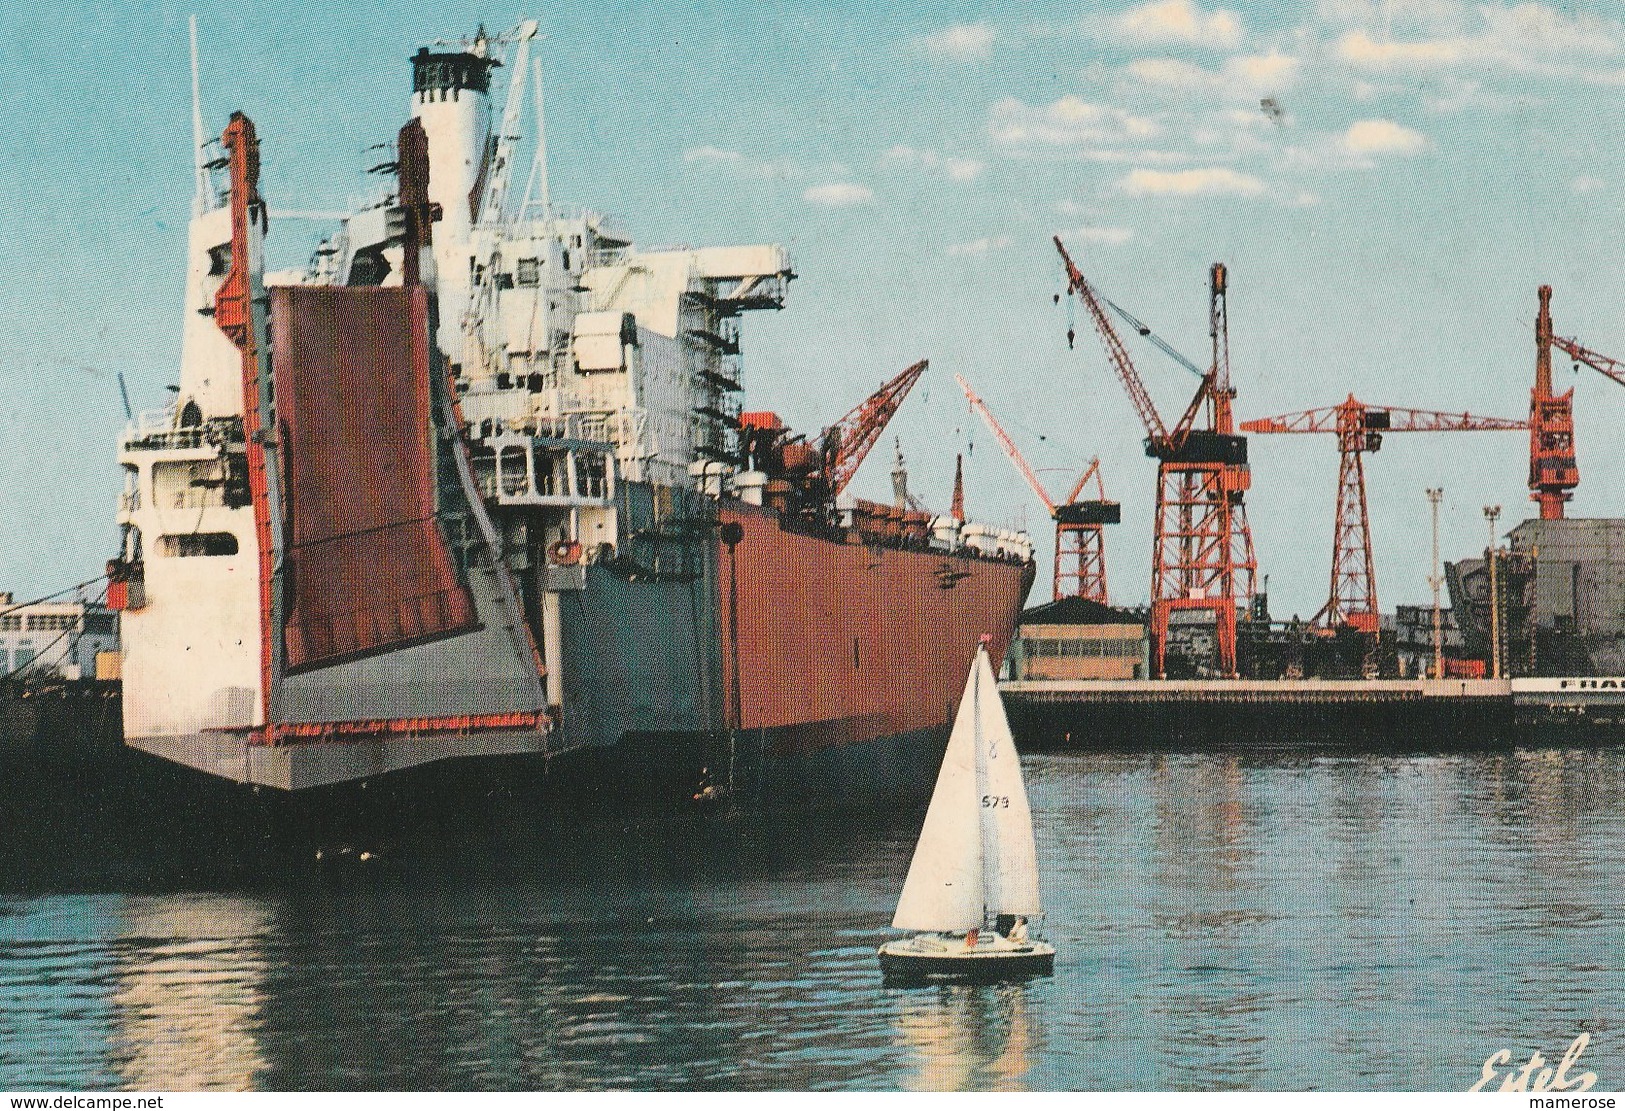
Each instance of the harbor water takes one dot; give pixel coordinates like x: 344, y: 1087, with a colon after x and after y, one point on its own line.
x: 1227, y: 920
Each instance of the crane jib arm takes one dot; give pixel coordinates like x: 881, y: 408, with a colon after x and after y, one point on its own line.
x: 1117, y: 354
x: 846, y: 442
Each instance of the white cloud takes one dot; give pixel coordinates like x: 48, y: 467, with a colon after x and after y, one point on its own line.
x: 1360, y: 49
x: 1181, y: 21
x: 956, y: 169
x: 1245, y: 77
x: 1112, y: 237
x: 1585, y: 183
x: 1138, y: 157
x: 978, y: 247
x: 1528, y: 38
x: 966, y: 42
x: 1427, y: 16
x: 1067, y: 122
x: 742, y: 164
x: 711, y: 154
x: 1368, y: 137
x: 839, y: 194
x: 1263, y: 72
x: 1208, y: 180
x: 1170, y: 73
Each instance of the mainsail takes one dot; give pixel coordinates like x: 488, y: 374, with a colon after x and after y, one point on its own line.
x: 1009, y: 854
x: 976, y: 851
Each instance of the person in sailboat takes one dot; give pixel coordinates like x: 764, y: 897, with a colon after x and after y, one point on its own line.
x: 1018, y: 932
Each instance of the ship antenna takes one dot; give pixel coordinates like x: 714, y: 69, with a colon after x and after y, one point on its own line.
x: 199, y: 166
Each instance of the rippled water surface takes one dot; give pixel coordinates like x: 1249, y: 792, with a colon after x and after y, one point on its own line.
x: 1222, y: 921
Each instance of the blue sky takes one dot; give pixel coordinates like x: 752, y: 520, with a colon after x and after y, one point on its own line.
x: 1436, y: 162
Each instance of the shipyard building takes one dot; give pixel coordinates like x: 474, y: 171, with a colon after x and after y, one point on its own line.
x: 62, y: 640
x: 1559, y: 598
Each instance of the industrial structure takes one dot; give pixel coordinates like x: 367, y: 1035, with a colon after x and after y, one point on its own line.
x: 1554, y: 471
x: 1078, y: 638
x: 64, y: 639
x: 1202, y: 549
x: 1352, y: 599
x: 1080, y: 542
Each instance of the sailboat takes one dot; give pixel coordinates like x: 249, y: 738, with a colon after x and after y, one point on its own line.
x: 975, y: 859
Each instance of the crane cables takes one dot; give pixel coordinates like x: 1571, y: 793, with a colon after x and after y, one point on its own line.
x: 1145, y: 330
x: 13, y: 608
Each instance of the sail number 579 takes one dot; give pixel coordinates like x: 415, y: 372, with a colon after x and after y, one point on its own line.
x: 996, y: 801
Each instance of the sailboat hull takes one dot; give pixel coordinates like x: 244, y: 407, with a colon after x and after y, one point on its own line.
x: 928, y: 957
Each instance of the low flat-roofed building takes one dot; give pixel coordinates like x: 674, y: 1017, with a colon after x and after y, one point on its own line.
x: 1076, y: 638
x: 40, y: 640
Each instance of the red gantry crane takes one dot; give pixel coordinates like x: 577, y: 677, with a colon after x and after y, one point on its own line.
x: 1080, y: 543
x: 1202, y: 552
x: 1352, y: 601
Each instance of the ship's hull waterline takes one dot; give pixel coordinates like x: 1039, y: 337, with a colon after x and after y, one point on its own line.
x: 846, y: 654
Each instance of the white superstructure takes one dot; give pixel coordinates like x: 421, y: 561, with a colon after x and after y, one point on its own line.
x: 581, y: 362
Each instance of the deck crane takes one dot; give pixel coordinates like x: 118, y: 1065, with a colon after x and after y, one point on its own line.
x: 488, y: 201
x: 1359, y: 427
x: 844, y: 444
x: 1202, y: 552
x: 1080, y: 544
x: 499, y: 166
x: 822, y: 468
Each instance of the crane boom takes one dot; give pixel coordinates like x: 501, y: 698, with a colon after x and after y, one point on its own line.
x: 1009, y: 446
x: 845, y: 443
x: 493, y: 203
x: 1613, y: 368
x: 1091, y: 471
x: 1387, y: 418
x: 1116, y: 353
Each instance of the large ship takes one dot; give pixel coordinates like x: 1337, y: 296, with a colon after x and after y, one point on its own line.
x: 476, y: 488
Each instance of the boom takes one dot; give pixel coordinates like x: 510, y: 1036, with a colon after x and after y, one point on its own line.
x: 845, y: 443
x: 1012, y: 451
x: 1613, y: 368
x: 1117, y: 353
x: 1379, y: 418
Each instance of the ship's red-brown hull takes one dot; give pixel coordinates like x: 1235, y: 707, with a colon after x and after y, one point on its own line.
x: 829, y: 644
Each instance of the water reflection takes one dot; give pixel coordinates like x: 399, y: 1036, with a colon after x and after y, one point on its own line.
x: 188, y: 990
x: 1222, y: 921
x: 963, y: 1038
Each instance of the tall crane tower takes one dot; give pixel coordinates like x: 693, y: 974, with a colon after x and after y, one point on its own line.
x: 1359, y: 428
x: 1080, y: 542
x: 1553, y: 471
x: 1202, y: 555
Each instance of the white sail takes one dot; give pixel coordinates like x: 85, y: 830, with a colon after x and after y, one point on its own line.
x: 944, y: 891
x: 1010, y: 858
